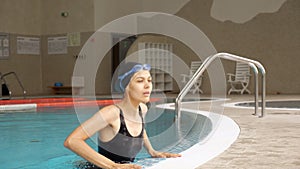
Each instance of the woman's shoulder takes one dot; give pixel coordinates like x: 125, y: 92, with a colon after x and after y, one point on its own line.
x: 110, y: 108
x: 109, y: 112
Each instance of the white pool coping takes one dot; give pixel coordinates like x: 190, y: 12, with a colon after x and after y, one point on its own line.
x: 17, y: 107
x: 225, y: 133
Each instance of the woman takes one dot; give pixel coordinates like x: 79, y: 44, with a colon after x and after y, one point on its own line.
x: 120, y: 126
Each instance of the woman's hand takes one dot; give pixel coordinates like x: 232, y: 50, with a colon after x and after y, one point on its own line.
x: 126, y: 166
x: 157, y: 154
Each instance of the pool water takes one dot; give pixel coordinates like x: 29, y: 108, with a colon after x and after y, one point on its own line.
x: 34, y: 140
x: 30, y: 138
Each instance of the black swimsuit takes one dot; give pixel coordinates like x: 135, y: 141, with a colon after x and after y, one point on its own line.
x: 123, y: 147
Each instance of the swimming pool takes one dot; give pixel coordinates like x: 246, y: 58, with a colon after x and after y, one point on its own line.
x: 32, y: 140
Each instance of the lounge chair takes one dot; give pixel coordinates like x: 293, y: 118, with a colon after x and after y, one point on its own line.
x: 239, y: 81
x: 186, y: 77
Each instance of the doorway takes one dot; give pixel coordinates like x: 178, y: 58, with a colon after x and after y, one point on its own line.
x: 119, y: 50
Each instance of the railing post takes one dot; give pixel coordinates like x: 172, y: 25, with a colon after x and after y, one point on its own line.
x: 254, y: 68
x: 263, y: 89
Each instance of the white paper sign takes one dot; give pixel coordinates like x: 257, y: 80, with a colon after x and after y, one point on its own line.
x: 4, y: 45
x: 57, y: 45
x: 74, y: 39
x: 28, y: 45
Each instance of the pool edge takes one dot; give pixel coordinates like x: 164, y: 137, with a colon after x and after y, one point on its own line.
x: 216, y: 143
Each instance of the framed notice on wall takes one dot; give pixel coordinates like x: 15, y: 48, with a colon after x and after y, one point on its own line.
x: 28, y: 45
x: 74, y: 39
x: 4, y: 45
x: 58, y: 45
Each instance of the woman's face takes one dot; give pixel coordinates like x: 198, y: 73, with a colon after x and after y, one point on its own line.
x: 140, y: 86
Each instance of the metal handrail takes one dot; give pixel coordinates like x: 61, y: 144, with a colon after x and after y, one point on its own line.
x: 255, y: 65
x: 19, y: 81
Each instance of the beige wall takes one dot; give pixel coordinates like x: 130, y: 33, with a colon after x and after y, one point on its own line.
x: 271, y: 38
x: 20, y: 16
x: 27, y: 67
x: 109, y: 10
x: 80, y: 16
x: 43, y: 19
x: 35, y: 17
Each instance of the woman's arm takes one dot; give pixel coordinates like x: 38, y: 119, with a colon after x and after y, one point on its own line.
x: 76, y: 143
x: 76, y: 140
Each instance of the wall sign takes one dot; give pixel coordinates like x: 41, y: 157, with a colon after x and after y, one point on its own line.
x: 4, y: 45
x: 57, y: 45
x: 74, y: 39
x: 28, y: 45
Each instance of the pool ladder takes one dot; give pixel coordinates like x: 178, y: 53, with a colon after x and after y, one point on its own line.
x: 4, y: 84
x: 255, y: 65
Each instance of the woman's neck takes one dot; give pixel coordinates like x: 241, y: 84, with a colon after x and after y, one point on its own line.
x: 130, y: 107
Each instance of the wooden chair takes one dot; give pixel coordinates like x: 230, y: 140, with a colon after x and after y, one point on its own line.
x: 240, y: 80
x: 186, y: 77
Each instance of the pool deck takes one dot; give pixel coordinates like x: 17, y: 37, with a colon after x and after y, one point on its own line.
x: 269, y: 142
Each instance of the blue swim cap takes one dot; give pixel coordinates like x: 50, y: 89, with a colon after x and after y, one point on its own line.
x: 126, y: 71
